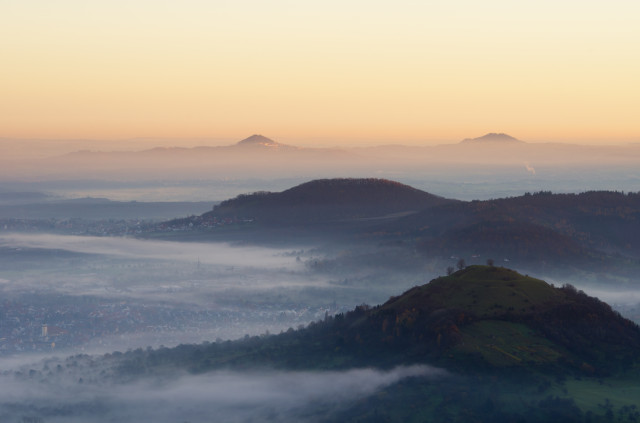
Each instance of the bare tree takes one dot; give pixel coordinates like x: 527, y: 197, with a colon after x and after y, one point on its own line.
x: 461, y: 264
x: 490, y: 262
x: 449, y: 270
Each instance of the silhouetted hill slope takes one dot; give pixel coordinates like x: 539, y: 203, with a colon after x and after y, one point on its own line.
x: 478, y: 319
x: 327, y: 200
x: 504, y: 238
x: 539, y: 226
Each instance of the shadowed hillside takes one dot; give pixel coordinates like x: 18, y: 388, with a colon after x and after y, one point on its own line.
x: 328, y: 200
x: 540, y: 226
x: 501, y: 318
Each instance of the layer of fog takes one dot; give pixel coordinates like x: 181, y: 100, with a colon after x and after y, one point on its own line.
x: 208, y: 253
x: 612, y: 294
x: 228, y: 396
x: 177, y: 272
x: 106, y: 294
x: 463, y: 184
x: 212, y: 189
x: 24, y: 149
x: 208, y: 274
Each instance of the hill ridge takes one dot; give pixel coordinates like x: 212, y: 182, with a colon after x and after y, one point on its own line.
x: 492, y: 137
x: 330, y: 199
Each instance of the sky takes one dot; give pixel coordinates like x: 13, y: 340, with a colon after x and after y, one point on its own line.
x: 320, y: 71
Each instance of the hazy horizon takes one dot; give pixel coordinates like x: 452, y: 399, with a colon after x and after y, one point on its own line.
x: 27, y: 148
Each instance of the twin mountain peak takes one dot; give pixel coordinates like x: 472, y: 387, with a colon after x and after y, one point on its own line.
x: 492, y: 137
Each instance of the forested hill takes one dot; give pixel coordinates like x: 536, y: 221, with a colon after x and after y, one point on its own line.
x: 539, y: 226
x: 479, y: 319
x: 327, y: 200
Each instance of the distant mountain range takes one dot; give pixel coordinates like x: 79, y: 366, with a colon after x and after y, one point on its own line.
x: 261, y: 157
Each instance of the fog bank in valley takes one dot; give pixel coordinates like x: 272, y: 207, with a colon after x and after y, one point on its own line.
x: 230, y: 396
x: 207, y: 253
x: 101, y: 294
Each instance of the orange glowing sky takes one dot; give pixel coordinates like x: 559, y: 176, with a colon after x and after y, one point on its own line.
x: 354, y: 70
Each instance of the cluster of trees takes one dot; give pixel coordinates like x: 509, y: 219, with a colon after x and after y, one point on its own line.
x: 461, y: 264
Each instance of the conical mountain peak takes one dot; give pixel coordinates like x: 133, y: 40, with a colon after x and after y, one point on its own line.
x: 258, y: 139
x: 492, y: 137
